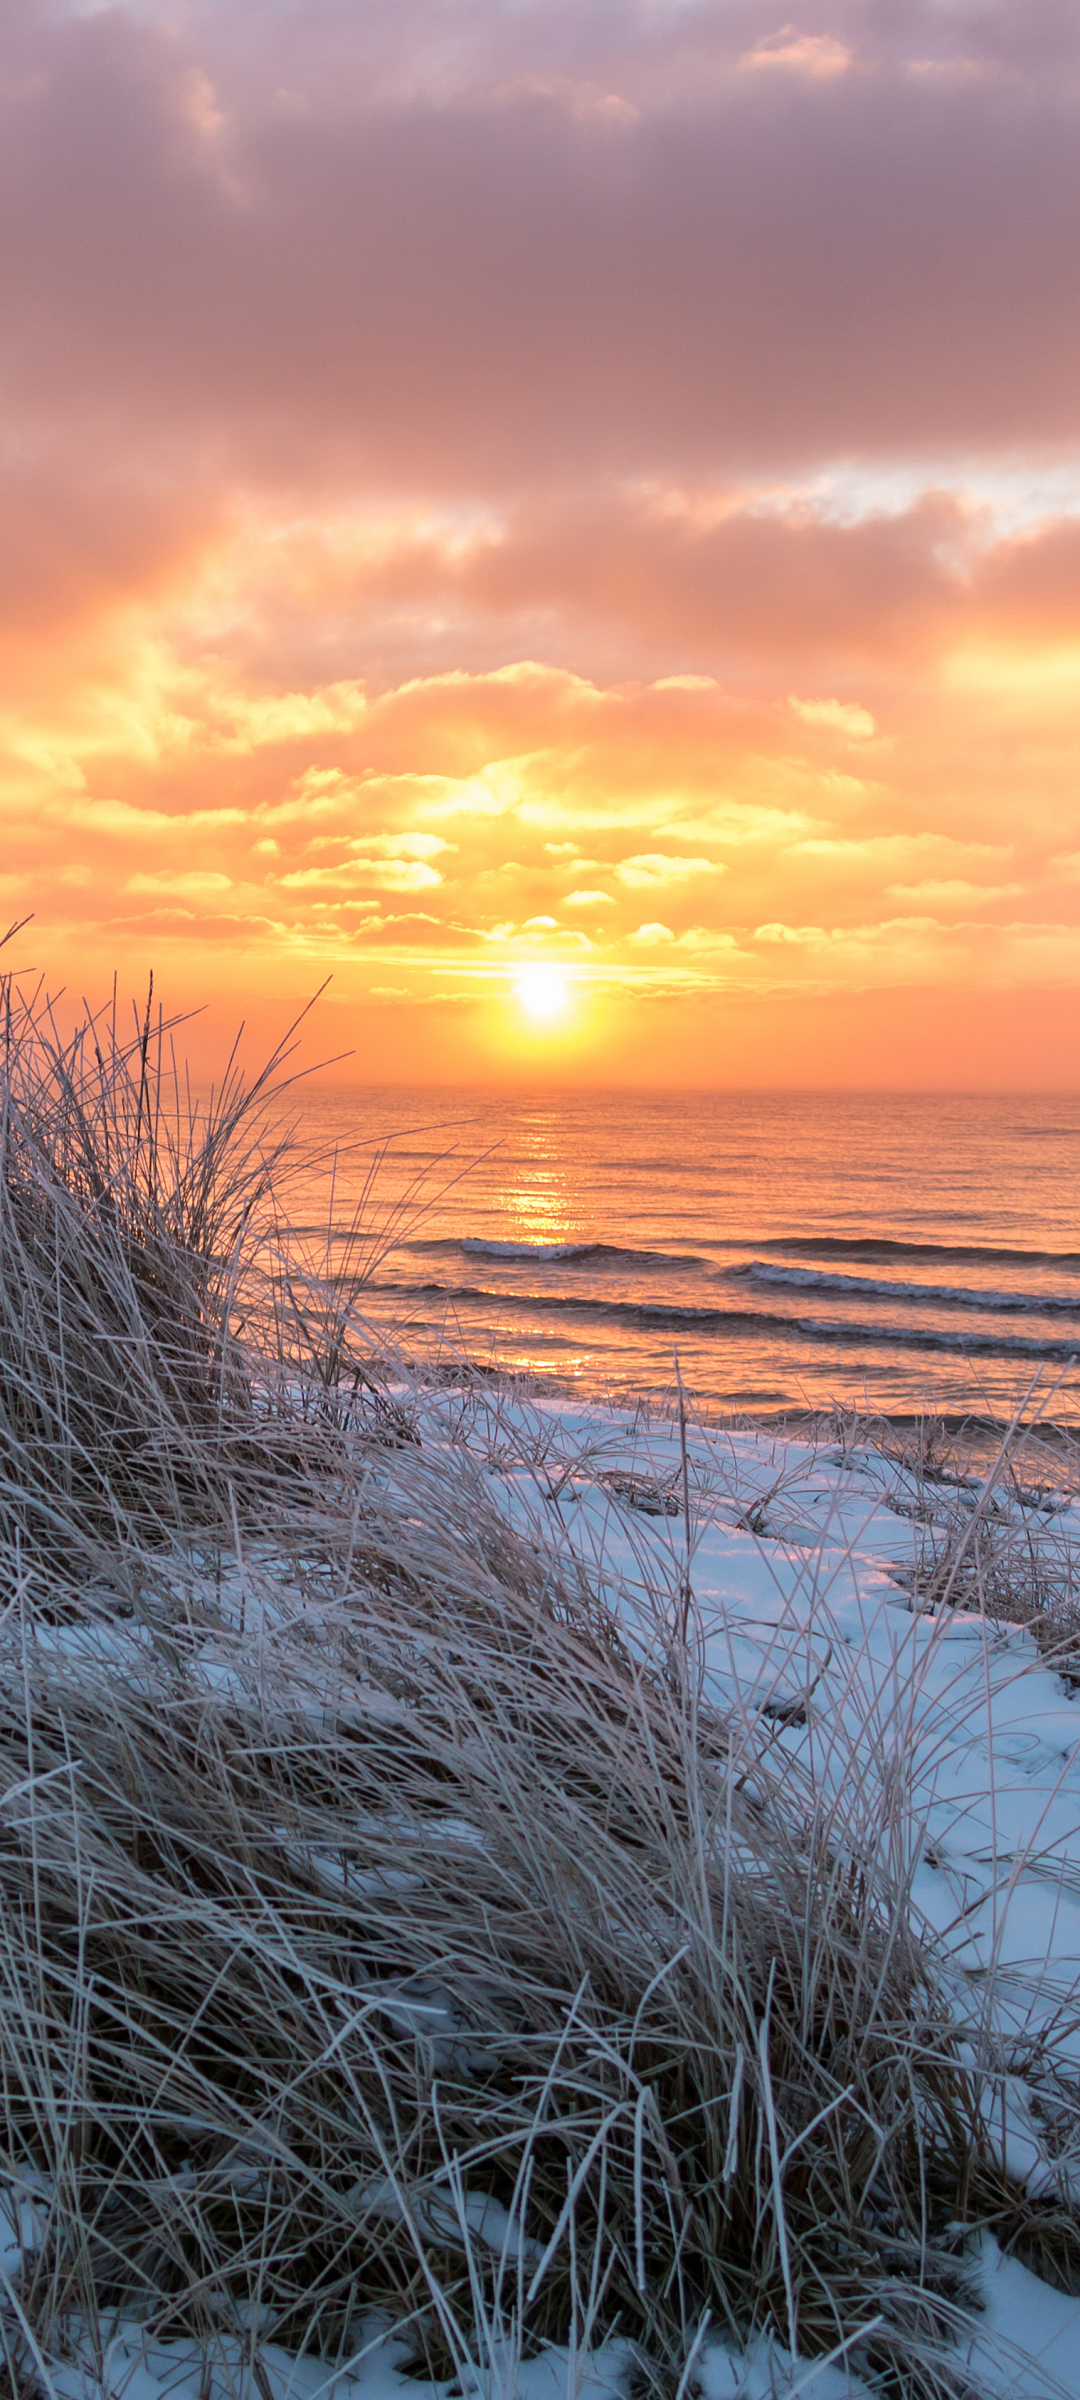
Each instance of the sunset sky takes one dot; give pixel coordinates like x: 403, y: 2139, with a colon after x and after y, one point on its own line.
x: 503, y: 483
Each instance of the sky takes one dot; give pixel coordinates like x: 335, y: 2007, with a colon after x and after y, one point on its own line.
x: 588, y: 486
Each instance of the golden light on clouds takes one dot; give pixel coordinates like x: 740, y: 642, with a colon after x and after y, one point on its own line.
x: 394, y: 612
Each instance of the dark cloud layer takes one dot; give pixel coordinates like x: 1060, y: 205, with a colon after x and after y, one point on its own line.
x: 515, y: 282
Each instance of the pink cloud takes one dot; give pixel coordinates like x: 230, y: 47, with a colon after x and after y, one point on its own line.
x: 814, y: 54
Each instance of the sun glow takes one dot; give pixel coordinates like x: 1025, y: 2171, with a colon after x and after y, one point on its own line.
x: 542, y: 991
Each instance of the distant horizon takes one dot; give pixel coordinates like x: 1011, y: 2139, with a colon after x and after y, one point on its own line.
x: 716, y: 1091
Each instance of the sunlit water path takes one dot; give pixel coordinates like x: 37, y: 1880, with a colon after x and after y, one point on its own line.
x: 901, y: 1251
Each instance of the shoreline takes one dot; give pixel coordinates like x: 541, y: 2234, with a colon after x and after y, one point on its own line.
x: 975, y: 1430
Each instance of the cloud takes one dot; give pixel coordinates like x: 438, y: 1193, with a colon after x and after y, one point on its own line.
x: 879, y: 851
x: 840, y: 716
x: 802, y: 936
x: 193, y: 886
x: 384, y: 875
x: 384, y: 845
x: 652, y: 869
x: 814, y: 54
x: 955, y: 894
x: 703, y: 938
x: 627, y: 580
x: 248, y: 317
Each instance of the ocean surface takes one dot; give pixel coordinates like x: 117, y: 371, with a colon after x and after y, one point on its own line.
x: 901, y: 1252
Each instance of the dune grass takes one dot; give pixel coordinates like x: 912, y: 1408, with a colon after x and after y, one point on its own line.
x: 381, y: 1929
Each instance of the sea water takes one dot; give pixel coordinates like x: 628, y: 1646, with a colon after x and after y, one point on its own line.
x: 898, y: 1252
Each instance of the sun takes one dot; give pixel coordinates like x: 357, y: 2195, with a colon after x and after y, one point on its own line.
x: 542, y: 991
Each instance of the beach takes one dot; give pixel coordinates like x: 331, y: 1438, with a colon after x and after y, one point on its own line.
x: 505, y: 1888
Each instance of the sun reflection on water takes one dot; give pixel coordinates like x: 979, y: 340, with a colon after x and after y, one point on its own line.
x: 537, y: 1199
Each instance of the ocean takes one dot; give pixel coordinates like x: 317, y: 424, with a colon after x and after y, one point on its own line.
x: 897, y: 1252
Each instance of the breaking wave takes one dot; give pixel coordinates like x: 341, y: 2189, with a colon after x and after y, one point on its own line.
x: 938, y: 1295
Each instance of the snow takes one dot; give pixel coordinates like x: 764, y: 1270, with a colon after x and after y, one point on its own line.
x: 766, y: 2371
x: 1028, y: 2342
x: 802, y: 1564
x: 24, y: 2210
x: 137, y: 2369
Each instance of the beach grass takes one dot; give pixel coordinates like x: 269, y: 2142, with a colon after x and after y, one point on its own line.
x: 387, y: 1934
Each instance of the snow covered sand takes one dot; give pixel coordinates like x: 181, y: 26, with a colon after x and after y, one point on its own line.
x: 799, y: 1576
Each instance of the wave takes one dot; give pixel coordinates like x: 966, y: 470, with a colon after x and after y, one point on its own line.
x: 874, y: 1246
x: 657, y: 1315
x: 924, y: 1337
x: 474, y: 1246
x: 939, y: 1295
x: 560, y: 1253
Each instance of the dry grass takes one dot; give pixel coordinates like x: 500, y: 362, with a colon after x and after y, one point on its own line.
x: 443, y: 1896
x: 130, y: 1218
x: 376, y: 1926
x: 991, y: 1542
